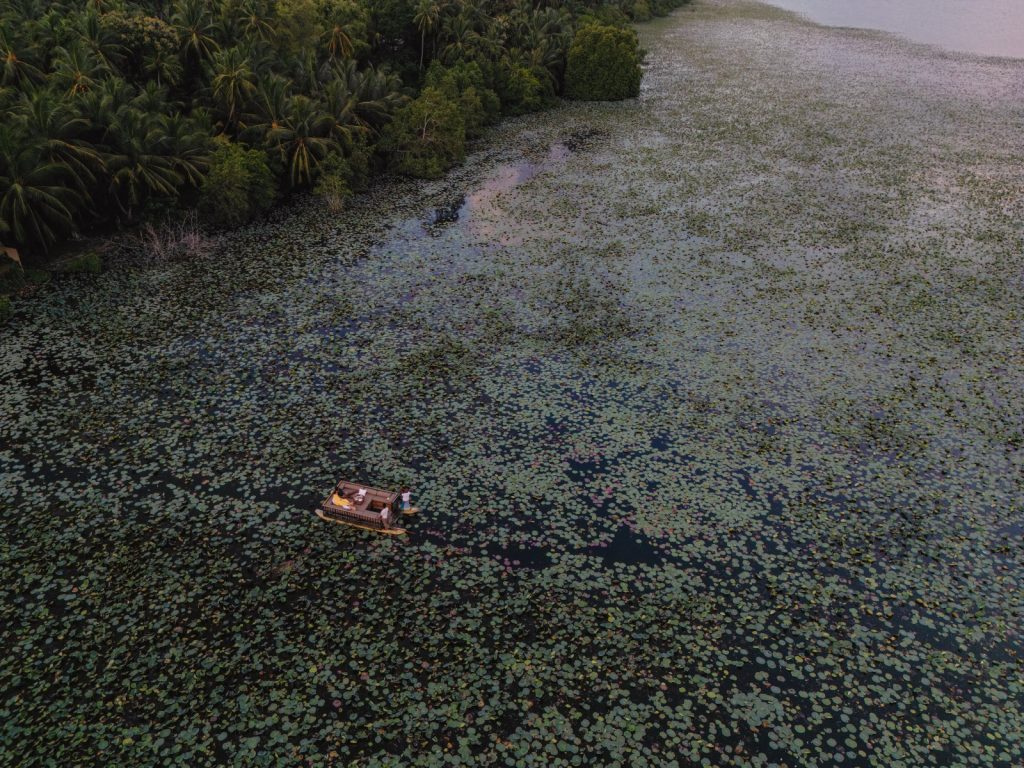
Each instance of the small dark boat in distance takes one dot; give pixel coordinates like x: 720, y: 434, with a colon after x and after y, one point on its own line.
x: 361, y: 507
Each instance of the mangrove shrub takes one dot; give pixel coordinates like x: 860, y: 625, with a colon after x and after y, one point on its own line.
x: 465, y: 84
x: 603, y: 64
x: 334, y: 184
x: 238, y: 185
x: 526, y: 90
x: 427, y: 136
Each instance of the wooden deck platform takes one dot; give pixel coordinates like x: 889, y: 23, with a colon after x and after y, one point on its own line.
x: 345, y: 506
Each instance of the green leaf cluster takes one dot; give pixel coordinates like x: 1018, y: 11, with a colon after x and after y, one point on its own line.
x: 466, y: 84
x: 428, y: 135
x: 238, y: 185
x: 603, y: 64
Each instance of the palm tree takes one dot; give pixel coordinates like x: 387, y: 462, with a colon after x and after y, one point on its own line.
x: 188, y: 146
x: 98, y: 39
x: 76, y: 69
x: 303, y: 139
x: 151, y: 99
x: 340, y: 104
x: 338, y: 42
x: 380, y: 95
x: 52, y: 127
x: 51, y: 29
x: 233, y: 83
x: 539, y: 51
x: 15, y: 58
x: 138, y: 162
x: 476, y: 14
x: 197, y: 30
x: 268, y: 109
x: 428, y: 14
x: 304, y: 71
x: 253, y: 23
x: 162, y: 65
x: 23, y: 10
x: 99, y: 106
x: 36, y: 204
x: 263, y: 56
x: 372, y: 95
x: 31, y: 25
x: 551, y: 28
x: 462, y: 39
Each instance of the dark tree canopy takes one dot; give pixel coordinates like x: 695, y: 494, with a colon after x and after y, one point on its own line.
x: 117, y: 112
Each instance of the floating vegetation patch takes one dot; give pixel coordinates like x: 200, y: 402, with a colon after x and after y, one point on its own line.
x: 712, y: 411
x: 581, y: 139
x: 448, y: 213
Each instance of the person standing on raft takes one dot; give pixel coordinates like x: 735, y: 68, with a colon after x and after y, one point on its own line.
x: 406, y: 499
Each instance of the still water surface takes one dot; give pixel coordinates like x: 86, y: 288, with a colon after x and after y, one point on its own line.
x: 985, y: 27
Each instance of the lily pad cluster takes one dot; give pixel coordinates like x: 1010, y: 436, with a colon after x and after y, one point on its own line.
x: 713, y: 417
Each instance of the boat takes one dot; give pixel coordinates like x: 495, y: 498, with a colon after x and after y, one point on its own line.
x: 360, y: 506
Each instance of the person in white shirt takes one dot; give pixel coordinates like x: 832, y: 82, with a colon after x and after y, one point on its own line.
x: 406, y: 498
x: 385, y: 516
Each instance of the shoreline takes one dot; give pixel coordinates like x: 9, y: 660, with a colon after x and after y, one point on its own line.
x: 89, y: 254
x: 737, y: 381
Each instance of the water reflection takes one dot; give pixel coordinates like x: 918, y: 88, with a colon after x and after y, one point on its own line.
x: 984, y: 27
x: 484, y: 201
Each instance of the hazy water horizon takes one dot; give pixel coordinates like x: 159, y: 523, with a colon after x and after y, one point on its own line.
x: 983, y: 27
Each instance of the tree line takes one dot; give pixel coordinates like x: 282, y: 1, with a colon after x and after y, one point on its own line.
x: 117, y: 112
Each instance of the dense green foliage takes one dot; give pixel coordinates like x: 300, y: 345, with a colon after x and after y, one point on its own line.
x: 428, y: 135
x: 335, y: 182
x: 603, y: 65
x: 238, y: 185
x: 119, y: 111
x: 465, y: 84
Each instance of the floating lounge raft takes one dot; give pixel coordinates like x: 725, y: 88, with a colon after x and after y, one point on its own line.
x: 360, y: 506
